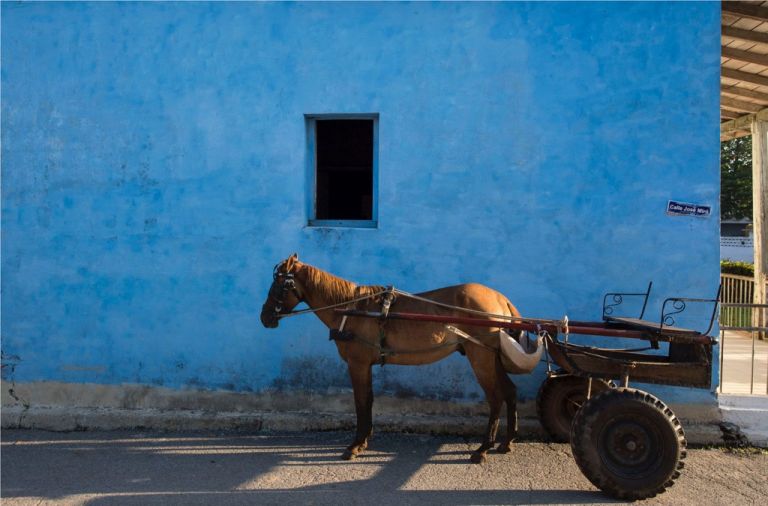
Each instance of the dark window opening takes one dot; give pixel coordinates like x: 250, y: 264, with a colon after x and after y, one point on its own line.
x: 344, y: 165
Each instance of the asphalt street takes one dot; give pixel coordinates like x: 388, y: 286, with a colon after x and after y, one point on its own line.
x: 138, y: 468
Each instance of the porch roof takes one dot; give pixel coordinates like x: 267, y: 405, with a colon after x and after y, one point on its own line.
x: 744, y: 64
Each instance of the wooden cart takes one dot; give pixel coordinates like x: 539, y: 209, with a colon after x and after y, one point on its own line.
x: 626, y: 441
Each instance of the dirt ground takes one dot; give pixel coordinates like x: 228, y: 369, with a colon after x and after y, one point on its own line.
x: 138, y: 468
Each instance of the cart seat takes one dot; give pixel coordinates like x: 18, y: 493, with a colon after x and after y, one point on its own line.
x: 649, y: 325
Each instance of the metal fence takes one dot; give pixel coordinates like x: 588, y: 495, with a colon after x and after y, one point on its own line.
x: 743, y: 348
x: 737, y: 290
x: 739, y: 242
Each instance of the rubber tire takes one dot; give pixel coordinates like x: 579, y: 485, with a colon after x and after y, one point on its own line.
x: 558, y: 400
x: 628, y: 413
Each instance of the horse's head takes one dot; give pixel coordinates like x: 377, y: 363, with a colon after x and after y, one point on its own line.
x: 283, y: 295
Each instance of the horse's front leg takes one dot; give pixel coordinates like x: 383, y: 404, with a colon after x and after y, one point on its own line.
x: 362, y: 386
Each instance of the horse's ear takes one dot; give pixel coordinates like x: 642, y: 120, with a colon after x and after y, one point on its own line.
x: 291, y: 262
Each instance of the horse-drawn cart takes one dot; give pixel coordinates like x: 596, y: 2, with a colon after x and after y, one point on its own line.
x: 626, y: 441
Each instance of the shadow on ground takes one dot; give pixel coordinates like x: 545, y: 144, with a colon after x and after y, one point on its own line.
x: 141, y: 469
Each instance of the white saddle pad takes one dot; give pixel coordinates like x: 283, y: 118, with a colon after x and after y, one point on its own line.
x: 520, y: 357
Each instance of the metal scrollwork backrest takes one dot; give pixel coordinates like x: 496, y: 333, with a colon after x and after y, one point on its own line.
x: 617, y: 301
x: 667, y: 318
x: 678, y: 305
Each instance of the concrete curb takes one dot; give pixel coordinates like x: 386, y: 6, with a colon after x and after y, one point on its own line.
x: 70, y: 407
x: 749, y: 413
x: 75, y: 419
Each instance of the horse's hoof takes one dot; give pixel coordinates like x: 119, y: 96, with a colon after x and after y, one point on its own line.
x: 504, y: 448
x: 349, y: 455
x: 477, y: 458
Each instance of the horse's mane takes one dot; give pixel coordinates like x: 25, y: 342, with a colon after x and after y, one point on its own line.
x: 334, y: 288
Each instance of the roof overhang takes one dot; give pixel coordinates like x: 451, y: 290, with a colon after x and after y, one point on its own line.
x: 744, y: 67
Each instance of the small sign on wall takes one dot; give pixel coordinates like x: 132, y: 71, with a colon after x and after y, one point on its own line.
x: 675, y: 208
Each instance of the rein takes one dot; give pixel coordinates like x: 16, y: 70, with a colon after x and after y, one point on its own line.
x: 344, y: 303
x: 290, y: 285
x: 394, y: 291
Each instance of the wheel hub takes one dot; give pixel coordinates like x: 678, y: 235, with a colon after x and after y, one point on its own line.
x: 572, y: 403
x: 627, y: 445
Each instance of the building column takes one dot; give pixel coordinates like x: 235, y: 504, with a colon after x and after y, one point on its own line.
x: 760, y: 214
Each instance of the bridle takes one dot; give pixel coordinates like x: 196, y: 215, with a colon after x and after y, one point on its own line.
x: 278, y: 290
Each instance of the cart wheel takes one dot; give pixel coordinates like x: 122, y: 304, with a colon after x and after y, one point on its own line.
x: 558, y: 400
x: 628, y: 443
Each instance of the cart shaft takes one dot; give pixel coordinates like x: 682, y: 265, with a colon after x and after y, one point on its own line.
x: 551, y: 326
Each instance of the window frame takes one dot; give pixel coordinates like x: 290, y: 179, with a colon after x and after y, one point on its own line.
x: 311, y: 126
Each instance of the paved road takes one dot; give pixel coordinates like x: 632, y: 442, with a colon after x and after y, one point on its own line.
x: 121, y: 468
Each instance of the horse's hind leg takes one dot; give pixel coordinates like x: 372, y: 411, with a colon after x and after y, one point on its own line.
x: 478, y: 456
x: 483, y: 365
x: 509, y: 391
x: 362, y: 386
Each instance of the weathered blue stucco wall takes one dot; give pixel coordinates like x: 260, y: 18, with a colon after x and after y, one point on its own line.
x: 153, y: 165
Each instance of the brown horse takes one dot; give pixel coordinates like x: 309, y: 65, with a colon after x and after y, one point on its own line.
x: 368, y: 341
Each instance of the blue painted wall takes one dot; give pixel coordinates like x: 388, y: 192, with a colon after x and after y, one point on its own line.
x: 153, y: 164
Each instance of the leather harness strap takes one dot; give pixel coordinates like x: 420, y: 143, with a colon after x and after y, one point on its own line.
x: 386, y: 302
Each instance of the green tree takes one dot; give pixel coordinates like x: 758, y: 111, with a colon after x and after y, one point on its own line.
x: 736, y: 178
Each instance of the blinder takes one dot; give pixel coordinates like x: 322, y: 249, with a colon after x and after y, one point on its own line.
x: 278, y: 290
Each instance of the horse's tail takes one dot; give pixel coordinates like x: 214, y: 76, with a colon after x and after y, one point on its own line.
x: 512, y: 309
x: 517, y: 334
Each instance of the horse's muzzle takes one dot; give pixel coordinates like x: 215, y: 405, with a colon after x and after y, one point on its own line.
x: 269, y: 319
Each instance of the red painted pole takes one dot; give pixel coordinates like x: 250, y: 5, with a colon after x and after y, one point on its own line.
x: 551, y: 326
